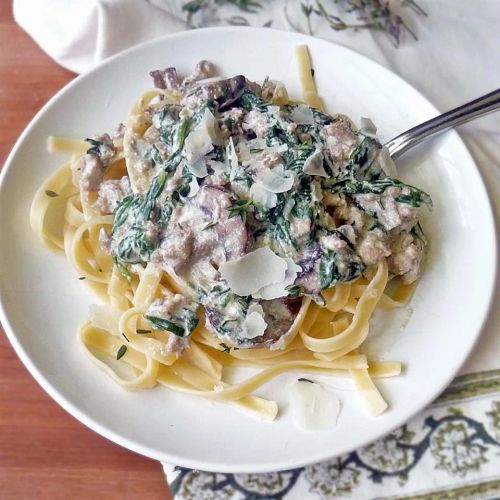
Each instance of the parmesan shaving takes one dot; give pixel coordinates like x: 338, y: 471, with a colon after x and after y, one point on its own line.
x: 253, y: 271
x: 263, y: 197
x: 198, y: 169
x: 387, y: 163
x: 314, y: 408
x: 194, y: 187
x: 314, y: 164
x: 368, y: 128
x: 197, y: 144
x: 278, y: 290
x: 231, y: 155
x: 276, y: 180
x: 254, y: 324
x: 302, y: 115
x: 200, y: 142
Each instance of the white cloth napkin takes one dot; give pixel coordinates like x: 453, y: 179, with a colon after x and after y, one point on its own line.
x: 456, y: 59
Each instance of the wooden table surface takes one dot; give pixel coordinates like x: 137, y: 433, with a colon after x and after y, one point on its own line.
x: 44, y: 452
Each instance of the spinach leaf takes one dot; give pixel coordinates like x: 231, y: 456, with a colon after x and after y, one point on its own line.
x: 249, y: 100
x: 362, y: 160
x: 182, y: 133
x: 135, y: 247
x: 295, y: 158
x: 181, y: 325
x: 294, y: 290
x: 154, y: 191
x: 124, y: 209
x: 123, y: 269
x: 283, y: 235
x: 328, y: 272
x: 415, y: 198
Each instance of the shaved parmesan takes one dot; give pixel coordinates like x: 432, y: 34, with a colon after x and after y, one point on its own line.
x: 211, y: 125
x: 316, y: 191
x: 314, y: 408
x: 231, y: 155
x: 218, y: 167
x: 277, y: 290
x: 368, y: 128
x: 194, y: 187
x: 263, y: 197
x: 200, y: 141
x: 254, y: 325
x: 302, y: 115
x: 277, y: 149
x: 276, y: 180
x: 387, y: 163
x: 253, y: 271
x: 197, y: 144
x: 314, y: 164
x: 198, y: 169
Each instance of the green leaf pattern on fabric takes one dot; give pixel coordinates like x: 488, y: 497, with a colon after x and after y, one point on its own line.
x: 451, y: 443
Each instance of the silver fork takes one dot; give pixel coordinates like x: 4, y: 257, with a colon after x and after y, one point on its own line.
x: 478, y: 107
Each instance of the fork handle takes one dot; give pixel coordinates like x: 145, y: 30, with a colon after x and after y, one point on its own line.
x: 478, y: 107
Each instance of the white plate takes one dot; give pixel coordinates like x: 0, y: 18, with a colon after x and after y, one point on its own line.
x: 43, y: 302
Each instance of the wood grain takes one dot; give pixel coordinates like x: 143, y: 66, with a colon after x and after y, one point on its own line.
x: 44, y: 452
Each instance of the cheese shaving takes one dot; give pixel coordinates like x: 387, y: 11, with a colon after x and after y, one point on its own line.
x: 262, y: 196
x: 254, y: 324
x: 253, y: 271
x: 276, y: 180
x: 278, y: 290
x: 302, y: 115
x: 314, y: 164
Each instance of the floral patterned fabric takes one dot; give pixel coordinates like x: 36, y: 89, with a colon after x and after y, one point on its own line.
x: 449, y: 451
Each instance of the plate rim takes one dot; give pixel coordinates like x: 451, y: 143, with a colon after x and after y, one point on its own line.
x: 134, y: 445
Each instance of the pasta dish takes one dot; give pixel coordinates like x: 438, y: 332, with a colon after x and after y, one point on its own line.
x: 227, y: 226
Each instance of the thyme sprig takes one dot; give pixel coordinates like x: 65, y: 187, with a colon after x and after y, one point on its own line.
x: 370, y: 14
x: 240, y: 207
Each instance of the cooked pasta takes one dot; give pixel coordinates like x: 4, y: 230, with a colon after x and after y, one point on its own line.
x: 225, y: 226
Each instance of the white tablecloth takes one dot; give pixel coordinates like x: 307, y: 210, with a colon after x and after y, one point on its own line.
x: 452, y: 449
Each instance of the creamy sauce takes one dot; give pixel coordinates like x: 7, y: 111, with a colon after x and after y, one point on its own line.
x: 227, y: 173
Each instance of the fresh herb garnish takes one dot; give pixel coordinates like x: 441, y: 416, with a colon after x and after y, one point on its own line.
x: 240, y: 207
x: 51, y: 194
x: 181, y: 325
x: 125, y: 337
x: 302, y: 379
x: 165, y: 325
x: 81, y: 278
x: 96, y: 145
x: 377, y: 15
x: 225, y: 347
x: 209, y: 225
x: 140, y: 331
x: 121, y: 352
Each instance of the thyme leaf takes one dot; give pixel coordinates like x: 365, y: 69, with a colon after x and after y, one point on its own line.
x: 240, y: 207
x: 302, y: 379
x: 121, y: 352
